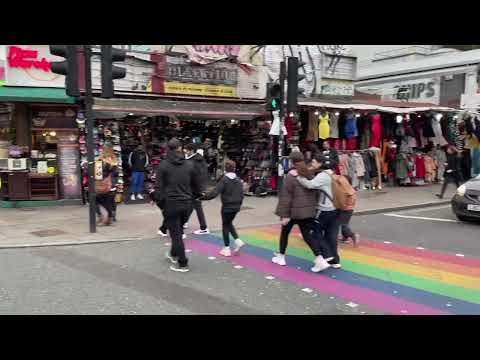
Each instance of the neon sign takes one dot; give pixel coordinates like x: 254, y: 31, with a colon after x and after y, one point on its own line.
x: 25, y: 59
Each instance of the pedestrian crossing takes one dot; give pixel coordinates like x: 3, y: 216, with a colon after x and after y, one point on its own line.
x: 386, y: 277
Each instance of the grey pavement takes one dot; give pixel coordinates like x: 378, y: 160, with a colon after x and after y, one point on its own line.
x: 64, y: 225
x: 133, y: 278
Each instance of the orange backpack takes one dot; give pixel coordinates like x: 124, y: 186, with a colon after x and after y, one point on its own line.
x: 344, y: 195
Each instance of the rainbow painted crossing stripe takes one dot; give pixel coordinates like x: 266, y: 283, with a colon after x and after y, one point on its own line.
x: 388, y: 278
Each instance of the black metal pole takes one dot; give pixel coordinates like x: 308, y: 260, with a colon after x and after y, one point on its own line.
x: 90, y: 143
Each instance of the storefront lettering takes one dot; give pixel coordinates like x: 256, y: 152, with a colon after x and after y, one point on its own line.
x: 415, y: 91
x: 25, y: 59
x: 203, y: 75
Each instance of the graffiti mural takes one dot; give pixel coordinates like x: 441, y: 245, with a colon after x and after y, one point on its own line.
x: 320, y: 61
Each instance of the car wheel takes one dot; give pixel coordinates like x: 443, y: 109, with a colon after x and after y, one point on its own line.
x: 463, y: 218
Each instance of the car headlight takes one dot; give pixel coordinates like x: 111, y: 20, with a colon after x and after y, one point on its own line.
x: 461, y: 190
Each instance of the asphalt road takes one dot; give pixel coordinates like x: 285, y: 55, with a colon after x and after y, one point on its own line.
x: 434, y: 228
x: 133, y: 277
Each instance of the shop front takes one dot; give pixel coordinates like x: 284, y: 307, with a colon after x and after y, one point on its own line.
x: 39, y: 161
x: 388, y: 142
x: 224, y: 130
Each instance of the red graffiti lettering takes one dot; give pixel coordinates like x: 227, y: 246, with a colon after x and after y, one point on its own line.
x: 25, y: 59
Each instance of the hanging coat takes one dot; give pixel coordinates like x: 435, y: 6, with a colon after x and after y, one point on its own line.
x: 420, y: 167
x: 428, y: 128
x: 401, y: 166
x: 376, y: 131
x: 312, y: 134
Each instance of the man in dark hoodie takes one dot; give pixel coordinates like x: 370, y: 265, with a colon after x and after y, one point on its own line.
x: 201, y: 169
x: 138, y: 161
x: 177, y: 185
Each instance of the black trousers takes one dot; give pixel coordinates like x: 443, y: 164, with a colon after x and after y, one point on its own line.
x: 175, y: 215
x: 227, y: 225
x: 163, y: 228
x: 325, y: 231
x: 449, y: 178
x: 306, y: 227
x: 197, y: 206
x: 108, y: 202
x: 344, y: 220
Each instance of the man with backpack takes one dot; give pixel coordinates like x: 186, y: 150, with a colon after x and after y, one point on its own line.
x: 335, y: 195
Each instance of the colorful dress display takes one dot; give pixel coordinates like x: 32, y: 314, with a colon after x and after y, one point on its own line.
x: 323, y: 126
x: 376, y: 131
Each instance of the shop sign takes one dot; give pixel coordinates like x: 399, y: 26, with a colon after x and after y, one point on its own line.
x: 172, y: 87
x: 26, y: 59
x: 30, y: 65
x: 69, y: 165
x: 336, y: 88
x: 174, y: 75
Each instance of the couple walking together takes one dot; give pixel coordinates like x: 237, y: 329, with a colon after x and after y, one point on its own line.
x: 307, y: 200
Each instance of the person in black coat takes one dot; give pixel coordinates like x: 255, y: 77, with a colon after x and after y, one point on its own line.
x: 452, y: 170
x: 176, y: 186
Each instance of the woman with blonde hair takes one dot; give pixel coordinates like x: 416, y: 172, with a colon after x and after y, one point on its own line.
x: 106, y: 188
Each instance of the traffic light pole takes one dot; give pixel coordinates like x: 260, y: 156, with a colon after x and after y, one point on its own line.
x: 90, y: 143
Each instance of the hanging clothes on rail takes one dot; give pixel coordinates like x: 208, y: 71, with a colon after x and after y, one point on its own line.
x: 351, y: 126
x: 334, y: 126
x: 324, y: 126
x: 376, y: 130
x: 312, y: 134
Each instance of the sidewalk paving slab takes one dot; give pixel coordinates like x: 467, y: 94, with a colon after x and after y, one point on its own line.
x: 136, y: 222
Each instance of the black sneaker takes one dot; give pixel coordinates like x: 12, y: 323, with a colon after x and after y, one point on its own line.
x: 172, y: 259
x: 179, y: 268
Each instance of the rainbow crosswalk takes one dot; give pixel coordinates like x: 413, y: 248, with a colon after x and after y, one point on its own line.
x: 388, y: 278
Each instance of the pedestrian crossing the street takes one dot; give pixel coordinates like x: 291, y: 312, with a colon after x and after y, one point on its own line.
x: 386, y: 277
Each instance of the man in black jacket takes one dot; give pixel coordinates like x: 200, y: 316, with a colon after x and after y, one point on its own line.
x: 201, y: 169
x: 175, y: 188
x: 138, y: 161
x: 452, y: 170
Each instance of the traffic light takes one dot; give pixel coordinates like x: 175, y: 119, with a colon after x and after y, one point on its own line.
x: 68, y: 67
x: 293, y: 78
x: 273, y: 96
x: 110, y: 71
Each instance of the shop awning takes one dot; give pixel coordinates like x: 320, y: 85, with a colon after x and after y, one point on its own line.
x: 184, y: 109
x: 393, y: 107
x: 34, y: 94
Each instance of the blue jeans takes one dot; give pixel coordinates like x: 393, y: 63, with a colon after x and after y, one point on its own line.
x: 137, y: 182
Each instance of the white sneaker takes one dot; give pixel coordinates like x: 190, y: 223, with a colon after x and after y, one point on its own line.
x: 238, y: 245
x: 279, y: 259
x: 133, y: 198
x: 184, y: 236
x: 202, y: 232
x: 140, y: 197
x: 160, y: 232
x: 185, y: 226
x: 226, y: 251
x: 320, y: 264
x: 170, y: 257
x: 329, y: 259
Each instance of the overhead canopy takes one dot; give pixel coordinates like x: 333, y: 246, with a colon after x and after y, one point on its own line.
x: 400, y: 108
x: 184, y: 109
x: 34, y: 94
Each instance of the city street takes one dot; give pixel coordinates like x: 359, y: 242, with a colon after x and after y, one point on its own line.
x: 409, y: 262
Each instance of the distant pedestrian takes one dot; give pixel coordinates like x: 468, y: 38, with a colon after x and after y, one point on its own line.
x: 106, y: 187
x: 297, y: 206
x: 230, y: 188
x: 344, y: 218
x: 138, y: 161
x: 452, y: 170
x: 201, y: 169
x: 176, y: 186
